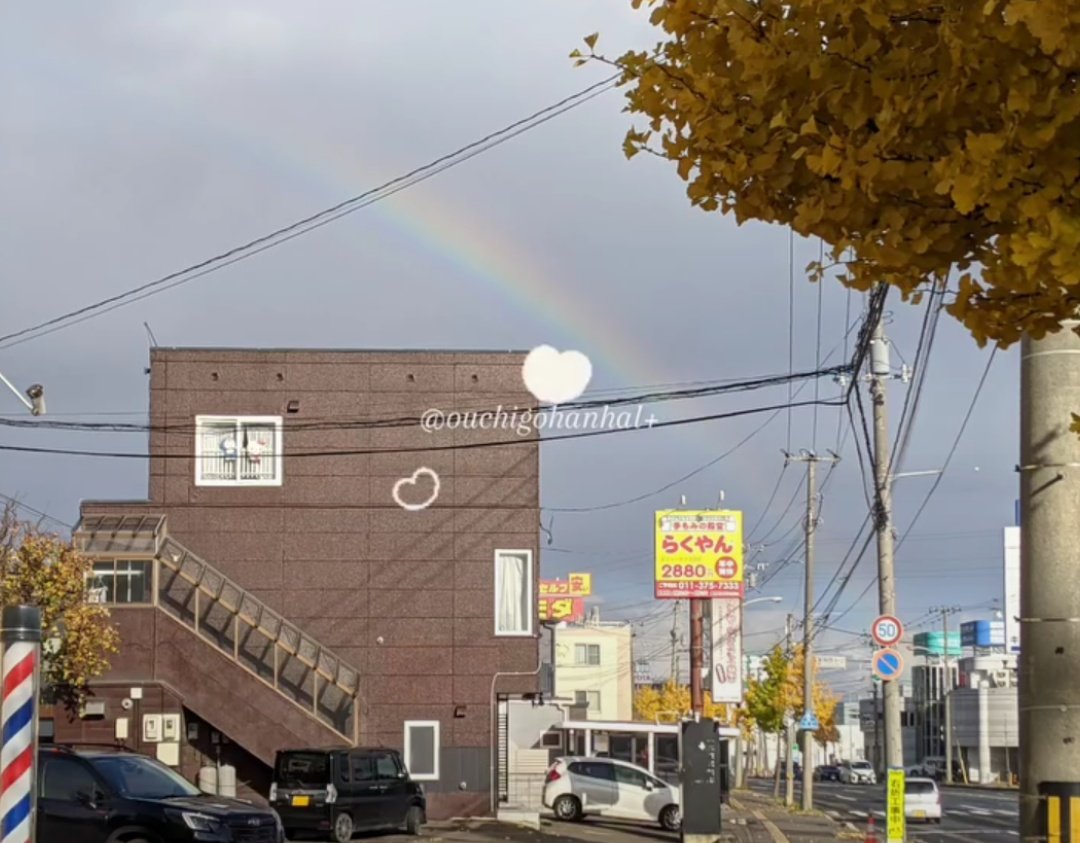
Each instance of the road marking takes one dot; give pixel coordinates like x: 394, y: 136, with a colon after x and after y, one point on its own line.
x: 859, y: 813
x: 1007, y: 814
x: 982, y: 812
x: 774, y: 832
x: 845, y: 798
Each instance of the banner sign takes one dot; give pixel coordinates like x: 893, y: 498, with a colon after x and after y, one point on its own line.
x: 699, y: 553
x: 575, y: 585
x: 569, y: 609
x: 895, y: 809
x: 726, y: 673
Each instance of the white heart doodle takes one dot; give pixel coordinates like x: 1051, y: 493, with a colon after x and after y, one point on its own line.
x: 411, y: 481
x: 555, y: 377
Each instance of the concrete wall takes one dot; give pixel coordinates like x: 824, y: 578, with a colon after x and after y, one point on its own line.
x: 613, y: 678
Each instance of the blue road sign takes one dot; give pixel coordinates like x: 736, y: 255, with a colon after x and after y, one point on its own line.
x: 888, y: 664
x: 809, y: 722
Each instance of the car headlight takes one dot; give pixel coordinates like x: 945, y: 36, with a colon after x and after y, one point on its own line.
x: 198, y: 822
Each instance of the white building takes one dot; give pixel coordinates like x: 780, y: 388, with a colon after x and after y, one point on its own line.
x: 594, y: 667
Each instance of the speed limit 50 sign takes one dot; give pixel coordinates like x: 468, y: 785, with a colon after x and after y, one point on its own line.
x: 887, y: 630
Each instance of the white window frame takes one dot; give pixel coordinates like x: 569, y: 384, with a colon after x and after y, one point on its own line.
x: 530, y: 597
x: 278, y: 447
x: 432, y: 724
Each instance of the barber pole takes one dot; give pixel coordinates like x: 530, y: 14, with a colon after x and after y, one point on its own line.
x: 20, y: 636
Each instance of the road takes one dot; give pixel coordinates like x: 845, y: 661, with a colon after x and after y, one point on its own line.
x: 975, y: 816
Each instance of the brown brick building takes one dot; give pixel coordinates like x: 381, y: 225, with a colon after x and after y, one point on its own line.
x: 272, y: 593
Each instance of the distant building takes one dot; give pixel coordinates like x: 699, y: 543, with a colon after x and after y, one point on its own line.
x: 930, y: 689
x: 594, y: 667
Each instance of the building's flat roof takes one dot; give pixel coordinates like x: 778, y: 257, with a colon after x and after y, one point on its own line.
x: 633, y: 726
x: 318, y: 350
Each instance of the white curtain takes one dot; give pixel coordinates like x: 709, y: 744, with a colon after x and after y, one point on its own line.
x: 512, y: 593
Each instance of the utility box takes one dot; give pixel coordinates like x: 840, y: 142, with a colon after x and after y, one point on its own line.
x: 170, y: 727
x: 699, y: 751
x: 151, y: 728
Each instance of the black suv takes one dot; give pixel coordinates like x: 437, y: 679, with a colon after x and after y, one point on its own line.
x: 335, y: 792
x: 109, y: 794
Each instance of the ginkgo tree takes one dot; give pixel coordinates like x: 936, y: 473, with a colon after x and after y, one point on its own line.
x: 778, y: 694
x: 671, y: 702
x: 41, y: 569
x: 911, y: 137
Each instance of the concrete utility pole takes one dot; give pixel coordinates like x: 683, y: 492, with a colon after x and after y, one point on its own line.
x: 1049, y: 695
x: 947, y: 687
x: 811, y: 460
x: 675, y: 642
x: 880, y: 372
x: 789, y: 794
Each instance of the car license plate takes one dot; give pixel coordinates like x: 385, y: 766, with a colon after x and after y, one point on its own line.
x: 301, y: 801
x: 920, y: 815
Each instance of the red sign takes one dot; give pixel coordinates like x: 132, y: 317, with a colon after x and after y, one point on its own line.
x: 700, y: 589
x: 562, y: 609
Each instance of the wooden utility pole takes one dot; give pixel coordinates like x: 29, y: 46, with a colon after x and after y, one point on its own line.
x: 811, y: 459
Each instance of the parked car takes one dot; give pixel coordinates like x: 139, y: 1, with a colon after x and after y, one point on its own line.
x: 922, y: 800
x: 576, y: 787
x: 857, y: 772
x: 109, y: 794
x: 827, y: 773
x: 337, y: 792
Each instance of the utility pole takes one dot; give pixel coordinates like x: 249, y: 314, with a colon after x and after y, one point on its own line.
x: 789, y: 794
x: 1049, y: 695
x: 811, y: 459
x: 946, y: 686
x: 675, y: 642
x: 697, y: 656
x: 880, y: 372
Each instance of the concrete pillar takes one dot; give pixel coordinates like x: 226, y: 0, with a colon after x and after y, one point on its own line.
x: 1049, y: 698
x: 985, y: 767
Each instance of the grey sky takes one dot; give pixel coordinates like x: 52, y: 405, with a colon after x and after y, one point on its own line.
x: 139, y: 138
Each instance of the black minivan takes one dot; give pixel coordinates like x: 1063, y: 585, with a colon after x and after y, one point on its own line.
x: 338, y: 791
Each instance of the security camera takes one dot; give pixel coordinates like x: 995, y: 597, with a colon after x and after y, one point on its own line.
x: 36, y: 394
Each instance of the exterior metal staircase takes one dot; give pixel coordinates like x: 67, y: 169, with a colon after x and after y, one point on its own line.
x: 258, y: 639
x: 240, y: 629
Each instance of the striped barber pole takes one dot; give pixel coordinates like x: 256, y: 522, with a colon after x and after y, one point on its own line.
x: 18, y: 715
x: 17, y: 752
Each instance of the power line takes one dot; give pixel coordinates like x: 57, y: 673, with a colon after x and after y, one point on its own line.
x: 303, y: 226
x: 376, y: 422
x: 346, y: 452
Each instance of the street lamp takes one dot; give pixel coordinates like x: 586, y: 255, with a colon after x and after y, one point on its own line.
x: 34, y: 400
x: 776, y: 599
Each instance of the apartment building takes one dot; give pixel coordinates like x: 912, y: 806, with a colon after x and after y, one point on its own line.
x: 594, y: 667
x: 281, y: 586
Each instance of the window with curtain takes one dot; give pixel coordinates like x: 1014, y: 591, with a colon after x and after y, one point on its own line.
x: 514, y: 605
x: 238, y: 451
x: 120, y: 581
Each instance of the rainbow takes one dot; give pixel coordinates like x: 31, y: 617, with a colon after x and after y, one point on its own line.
x: 328, y: 171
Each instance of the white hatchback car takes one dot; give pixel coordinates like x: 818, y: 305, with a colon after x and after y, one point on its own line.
x: 922, y: 800
x: 857, y: 772
x: 578, y: 786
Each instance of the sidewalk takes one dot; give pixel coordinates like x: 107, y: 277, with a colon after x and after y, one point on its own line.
x: 788, y: 826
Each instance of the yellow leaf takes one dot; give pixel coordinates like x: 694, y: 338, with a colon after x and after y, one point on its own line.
x: 590, y: 40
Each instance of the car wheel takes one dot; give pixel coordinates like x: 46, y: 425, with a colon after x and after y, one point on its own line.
x: 670, y: 818
x: 567, y: 807
x: 343, y: 828
x: 413, y: 820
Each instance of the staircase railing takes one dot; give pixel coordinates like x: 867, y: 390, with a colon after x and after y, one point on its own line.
x: 258, y: 639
